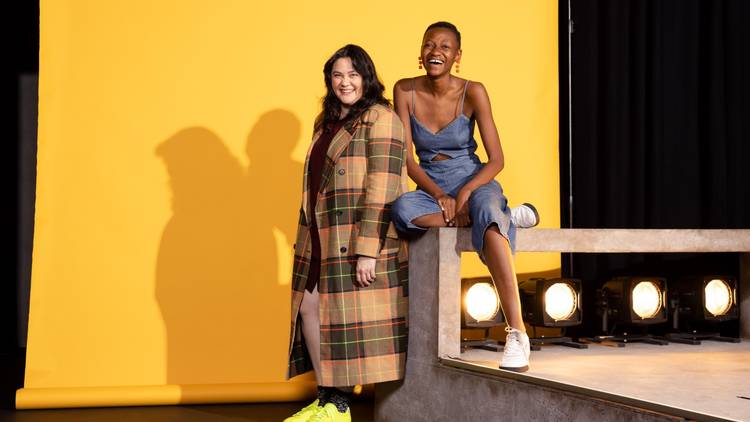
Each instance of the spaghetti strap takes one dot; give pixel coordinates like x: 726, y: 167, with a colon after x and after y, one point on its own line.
x: 463, y: 97
x: 413, y: 88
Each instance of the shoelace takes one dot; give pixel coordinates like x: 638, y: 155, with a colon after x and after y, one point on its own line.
x: 512, y: 342
x: 512, y: 333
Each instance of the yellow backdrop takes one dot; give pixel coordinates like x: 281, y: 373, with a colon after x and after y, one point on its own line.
x: 171, y: 141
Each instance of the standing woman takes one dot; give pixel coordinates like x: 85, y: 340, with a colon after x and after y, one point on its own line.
x: 439, y: 112
x: 349, y: 291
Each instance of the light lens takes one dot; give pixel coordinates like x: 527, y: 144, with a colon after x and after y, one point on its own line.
x: 646, y: 299
x: 560, y: 301
x: 482, y: 302
x: 718, y: 297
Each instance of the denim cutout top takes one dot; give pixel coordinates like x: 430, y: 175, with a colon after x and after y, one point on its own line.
x: 454, y: 140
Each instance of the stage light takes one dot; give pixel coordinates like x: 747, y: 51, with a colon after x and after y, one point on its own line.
x: 635, y: 300
x: 560, y: 301
x: 480, y: 308
x: 480, y: 304
x: 647, y: 299
x: 632, y: 301
x: 706, y: 298
x: 718, y: 297
x: 551, y: 302
x: 699, y: 304
x: 481, y: 301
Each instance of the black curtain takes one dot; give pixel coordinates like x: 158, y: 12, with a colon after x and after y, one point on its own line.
x: 20, y: 62
x: 660, y: 133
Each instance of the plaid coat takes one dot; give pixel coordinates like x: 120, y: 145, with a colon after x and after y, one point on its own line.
x: 362, y: 330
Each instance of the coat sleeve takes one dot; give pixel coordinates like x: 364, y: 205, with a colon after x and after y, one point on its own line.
x: 385, y: 155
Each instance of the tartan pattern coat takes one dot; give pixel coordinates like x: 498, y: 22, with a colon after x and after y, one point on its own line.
x: 363, y: 331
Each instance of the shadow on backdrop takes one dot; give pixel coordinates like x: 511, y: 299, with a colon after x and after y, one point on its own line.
x: 217, y: 284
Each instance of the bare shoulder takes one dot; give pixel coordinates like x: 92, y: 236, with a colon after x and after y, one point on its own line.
x: 476, y: 89
x: 404, y: 85
x: 476, y: 95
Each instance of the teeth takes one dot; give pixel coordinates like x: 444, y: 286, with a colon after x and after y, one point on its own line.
x: 436, y: 61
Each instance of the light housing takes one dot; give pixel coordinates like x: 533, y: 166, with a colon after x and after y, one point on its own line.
x: 554, y: 302
x: 635, y: 300
x: 706, y: 298
x: 480, y: 303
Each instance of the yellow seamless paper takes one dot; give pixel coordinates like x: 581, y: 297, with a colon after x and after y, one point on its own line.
x: 171, y: 141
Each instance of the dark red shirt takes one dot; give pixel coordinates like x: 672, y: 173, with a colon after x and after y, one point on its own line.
x: 316, y: 164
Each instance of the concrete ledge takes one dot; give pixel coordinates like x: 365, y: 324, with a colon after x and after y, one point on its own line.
x: 621, y: 240
x: 438, y: 386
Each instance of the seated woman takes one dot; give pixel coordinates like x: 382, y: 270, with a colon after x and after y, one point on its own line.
x: 439, y: 112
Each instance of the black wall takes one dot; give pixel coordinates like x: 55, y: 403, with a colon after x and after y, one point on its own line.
x: 660, y: 129
x: 19, y: 157
x: 18, y: 168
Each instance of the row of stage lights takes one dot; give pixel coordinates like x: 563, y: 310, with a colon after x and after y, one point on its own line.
x: 626, y: 300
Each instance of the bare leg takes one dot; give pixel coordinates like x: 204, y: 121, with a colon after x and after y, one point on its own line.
x: 499, y: 260
x: 430, y: 220
x: 308, y: 310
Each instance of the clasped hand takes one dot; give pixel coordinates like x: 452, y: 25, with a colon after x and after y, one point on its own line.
x: 455, y: 211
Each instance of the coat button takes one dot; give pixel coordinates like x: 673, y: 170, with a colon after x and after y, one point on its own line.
x: 343, y: 249
x: 341, y: 172
x: 339, y: 212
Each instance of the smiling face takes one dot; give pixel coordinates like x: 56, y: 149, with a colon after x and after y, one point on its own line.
x: 346, y: 83
x: 439, y: 51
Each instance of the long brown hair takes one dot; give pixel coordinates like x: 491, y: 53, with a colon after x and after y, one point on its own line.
x: 372, y: 87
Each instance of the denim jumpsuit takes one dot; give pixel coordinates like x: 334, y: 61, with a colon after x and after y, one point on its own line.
x: 487, y: 204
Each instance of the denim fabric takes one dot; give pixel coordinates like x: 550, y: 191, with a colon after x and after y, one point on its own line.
x: 487, y: 204
x: 454, y: 140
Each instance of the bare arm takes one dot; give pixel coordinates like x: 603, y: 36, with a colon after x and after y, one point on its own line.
x: 490, y: 139
x: 483, y: 112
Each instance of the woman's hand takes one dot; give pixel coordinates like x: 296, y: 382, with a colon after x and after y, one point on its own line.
x: 448, y: 207
x: 462, y: 218
x: 365, y: 271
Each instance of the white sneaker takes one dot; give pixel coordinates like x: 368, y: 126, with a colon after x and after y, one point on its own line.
x: 516, y: 351
x: 524, y: 215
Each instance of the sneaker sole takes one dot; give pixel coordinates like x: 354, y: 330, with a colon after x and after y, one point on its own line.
x: 536, y: 213
x: 516, y: 369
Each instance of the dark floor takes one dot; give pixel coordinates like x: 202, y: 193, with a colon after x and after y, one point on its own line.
x: 11, y: 378
x: 362, y: 410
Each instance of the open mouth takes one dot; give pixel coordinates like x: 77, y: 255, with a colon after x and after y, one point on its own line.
x: 435, y: 62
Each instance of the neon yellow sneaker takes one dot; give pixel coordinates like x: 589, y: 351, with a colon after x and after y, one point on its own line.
x: 329, y: 413
x: 305, y: 414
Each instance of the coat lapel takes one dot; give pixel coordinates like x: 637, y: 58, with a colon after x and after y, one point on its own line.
x: 341, y: 141
x: 338, y: 144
